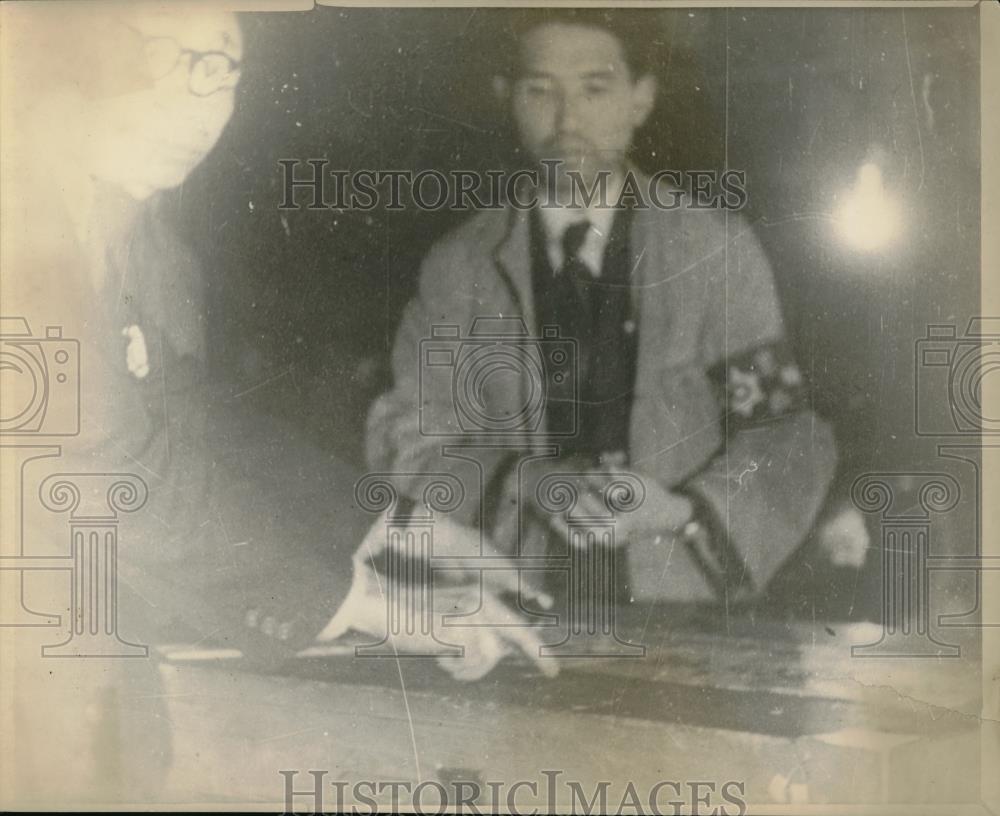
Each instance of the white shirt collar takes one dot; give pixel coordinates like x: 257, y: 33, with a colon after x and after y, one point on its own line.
x: 555, y: 220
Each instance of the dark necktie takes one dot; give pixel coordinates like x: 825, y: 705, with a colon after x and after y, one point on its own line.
x: 598, y: 318
x: 603, y: 377
x: 571, y: 282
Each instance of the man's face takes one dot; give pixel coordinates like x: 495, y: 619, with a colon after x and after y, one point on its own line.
x: 575, y: 99
x: 150, y: 137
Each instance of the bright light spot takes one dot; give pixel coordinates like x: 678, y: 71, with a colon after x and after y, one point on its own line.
x: 868, y: 219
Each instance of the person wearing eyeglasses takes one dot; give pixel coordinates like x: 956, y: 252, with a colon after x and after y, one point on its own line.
x: 249, y: 540
x: 243, y: 543
x: 151, y: 138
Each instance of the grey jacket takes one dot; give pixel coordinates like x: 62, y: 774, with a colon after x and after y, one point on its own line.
x: 719, y: 409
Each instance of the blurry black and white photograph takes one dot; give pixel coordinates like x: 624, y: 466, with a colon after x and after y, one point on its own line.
x: 499, y: 408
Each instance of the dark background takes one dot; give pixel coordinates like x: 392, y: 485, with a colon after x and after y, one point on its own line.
x: 305, y: 303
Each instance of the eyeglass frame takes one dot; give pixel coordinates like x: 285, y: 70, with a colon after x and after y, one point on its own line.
x: 197, y: 57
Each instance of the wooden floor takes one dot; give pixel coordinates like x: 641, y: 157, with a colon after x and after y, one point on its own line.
x: 781, y: 707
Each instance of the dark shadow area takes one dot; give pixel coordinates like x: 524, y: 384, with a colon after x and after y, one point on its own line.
x: 305, y: 303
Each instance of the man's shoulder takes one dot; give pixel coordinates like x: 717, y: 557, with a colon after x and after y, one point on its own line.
x: 476, y: 235
x: 460, y: 263
x: 690, y: 226
x: 666, y: 202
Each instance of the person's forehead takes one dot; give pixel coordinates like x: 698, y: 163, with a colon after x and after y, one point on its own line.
x: 571, y: 49
x: 204, y: 29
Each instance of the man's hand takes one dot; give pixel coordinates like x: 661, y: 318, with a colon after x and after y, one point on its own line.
x: 844, y: 538
x: 485, y: 646
x: 471, y: 582
x: 661, y: 511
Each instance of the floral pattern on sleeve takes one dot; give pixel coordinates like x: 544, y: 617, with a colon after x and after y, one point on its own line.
x: 759, y: 385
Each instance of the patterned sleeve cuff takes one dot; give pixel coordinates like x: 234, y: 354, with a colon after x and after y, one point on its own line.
x: 759, y: 385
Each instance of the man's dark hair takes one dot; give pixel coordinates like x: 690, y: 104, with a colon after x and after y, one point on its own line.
x: 633, y: 28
